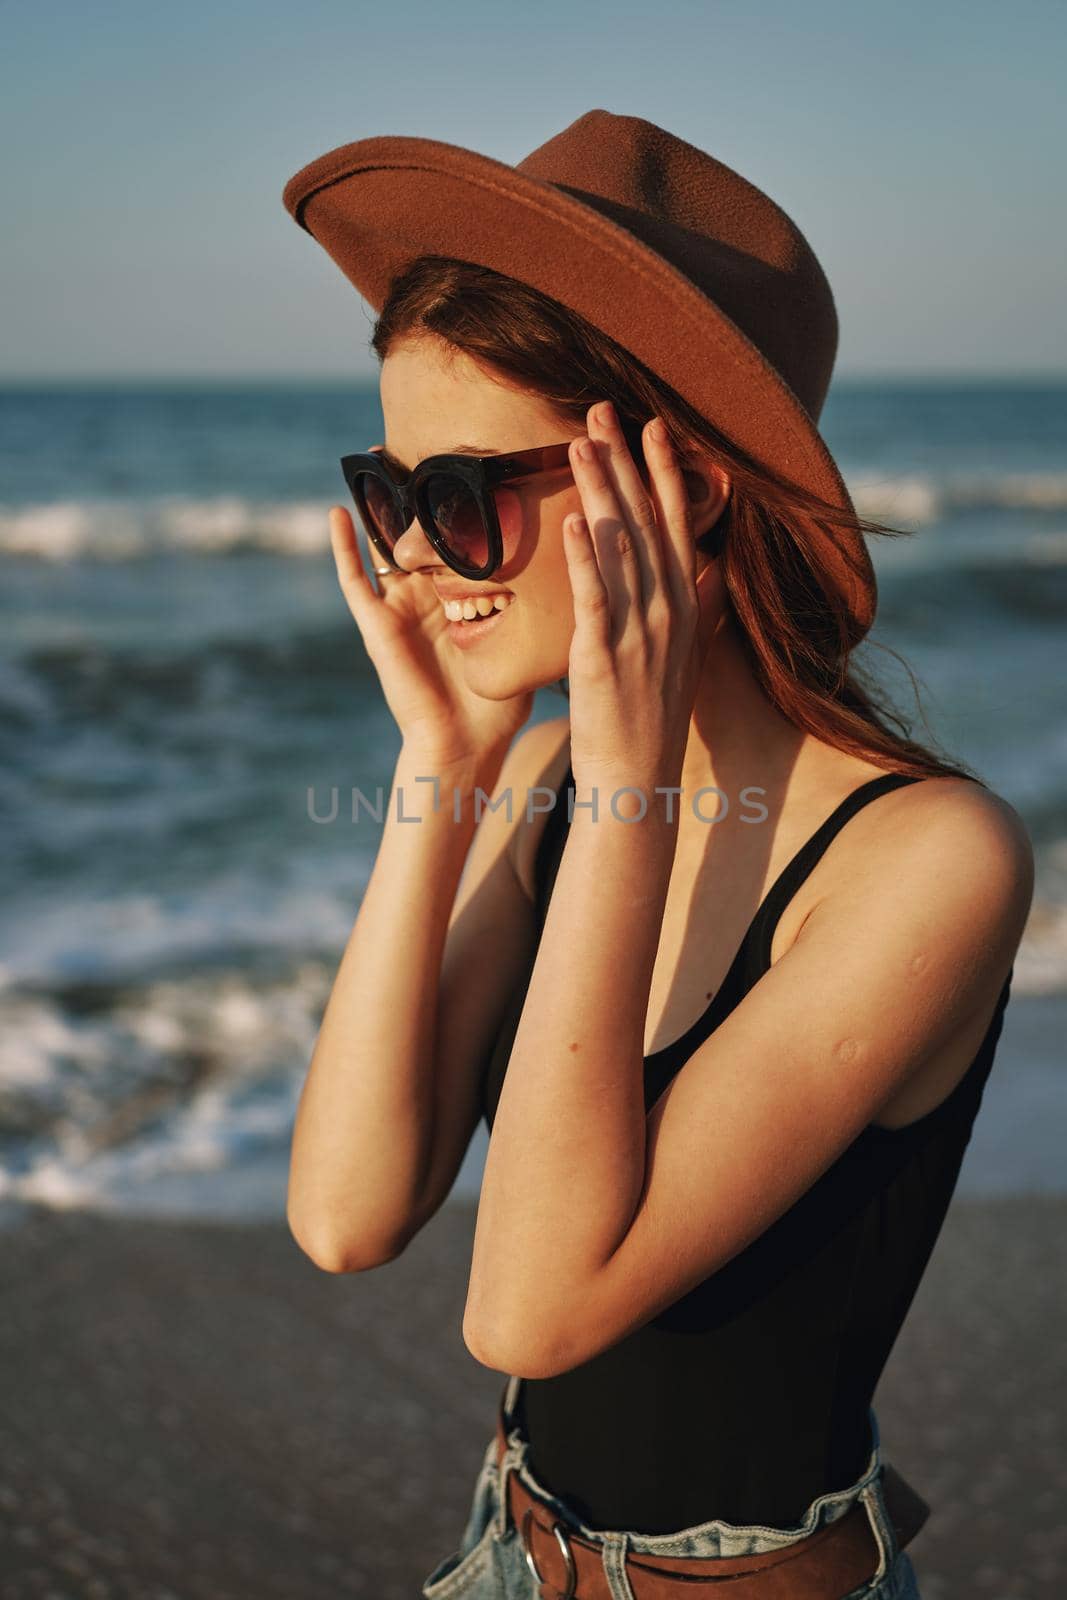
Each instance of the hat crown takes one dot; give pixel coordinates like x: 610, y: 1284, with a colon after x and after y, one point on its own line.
x: 726, y: 236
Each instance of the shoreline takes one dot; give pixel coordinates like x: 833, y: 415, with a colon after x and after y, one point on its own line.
x: 196, y: 1412
x: 1016, y: 1149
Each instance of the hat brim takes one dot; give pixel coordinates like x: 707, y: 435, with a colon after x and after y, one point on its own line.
x: 377, y: 203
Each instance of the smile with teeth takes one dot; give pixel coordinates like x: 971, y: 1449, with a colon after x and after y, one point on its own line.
x: 468, y: 610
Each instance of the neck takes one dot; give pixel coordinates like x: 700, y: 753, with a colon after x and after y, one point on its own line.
x: 736, y: 736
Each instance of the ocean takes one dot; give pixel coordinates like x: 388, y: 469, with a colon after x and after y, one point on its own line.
x: 178, y: 670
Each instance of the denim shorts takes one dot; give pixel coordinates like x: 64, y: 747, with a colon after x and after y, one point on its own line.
x: 490, y: 1563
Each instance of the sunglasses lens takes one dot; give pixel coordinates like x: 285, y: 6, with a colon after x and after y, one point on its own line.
x: 458, y: 518
x: 455, y: 511
x: 378, y: 509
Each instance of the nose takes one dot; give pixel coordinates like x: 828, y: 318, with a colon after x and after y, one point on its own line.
x: 413, y: 551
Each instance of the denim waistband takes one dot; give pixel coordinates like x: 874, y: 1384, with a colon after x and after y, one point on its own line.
x: 705, y: 1539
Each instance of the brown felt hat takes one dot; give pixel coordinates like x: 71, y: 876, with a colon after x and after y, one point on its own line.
x: 672, y: 254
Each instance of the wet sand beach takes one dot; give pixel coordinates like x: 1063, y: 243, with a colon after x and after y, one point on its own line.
x: 193, y: 1411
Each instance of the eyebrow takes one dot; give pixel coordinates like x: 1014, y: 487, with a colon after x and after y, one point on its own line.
x: 456, y: 450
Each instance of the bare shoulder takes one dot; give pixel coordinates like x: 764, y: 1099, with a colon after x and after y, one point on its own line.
x: 966, y: 823
x: 950, y: 838
x: 537, y: 760
x: 945, y: 867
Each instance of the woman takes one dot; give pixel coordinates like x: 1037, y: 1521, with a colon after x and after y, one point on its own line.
x: 729, y: 1005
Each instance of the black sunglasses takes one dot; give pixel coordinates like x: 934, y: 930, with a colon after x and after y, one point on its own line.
x: 453, y: 498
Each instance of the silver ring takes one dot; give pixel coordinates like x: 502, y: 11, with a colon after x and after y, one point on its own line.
x: 568, y: 1556
x: 383, y: 571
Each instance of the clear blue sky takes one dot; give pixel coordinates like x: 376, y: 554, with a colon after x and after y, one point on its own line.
x: 919, y: 146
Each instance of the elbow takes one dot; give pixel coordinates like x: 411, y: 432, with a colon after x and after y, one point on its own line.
x: 332, y: 1255
x: 525, y: 1353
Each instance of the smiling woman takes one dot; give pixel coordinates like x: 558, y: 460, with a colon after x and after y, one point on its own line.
x: 726, y: 1121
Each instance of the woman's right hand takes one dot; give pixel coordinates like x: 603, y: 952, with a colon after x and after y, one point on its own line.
x: 405, y: 634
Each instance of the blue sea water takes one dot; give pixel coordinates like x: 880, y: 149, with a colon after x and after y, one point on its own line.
x: 178, y: 669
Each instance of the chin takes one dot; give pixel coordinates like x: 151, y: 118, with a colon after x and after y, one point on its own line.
x: 505, y: 678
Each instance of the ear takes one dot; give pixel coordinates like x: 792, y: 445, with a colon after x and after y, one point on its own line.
x: 708, y: 488
x: 697, y: 486
x: 704, y: 481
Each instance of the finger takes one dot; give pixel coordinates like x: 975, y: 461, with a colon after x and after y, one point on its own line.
x: 673, y: 511
x: 614, y: 542
x: 633, y: 495
x: 351, y: 573
x: 592, y: 602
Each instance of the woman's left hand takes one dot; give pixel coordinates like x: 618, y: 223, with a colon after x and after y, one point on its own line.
x: 643, y: 622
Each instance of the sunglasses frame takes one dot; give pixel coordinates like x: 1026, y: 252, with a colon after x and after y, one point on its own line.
x: 480, y: 474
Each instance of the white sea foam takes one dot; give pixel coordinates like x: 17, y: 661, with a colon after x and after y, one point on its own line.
x: 180, y: 1078
x: 913, y: 500
x: 122, y: 530
x: 130, y: 529
x: 180, y: 1097
x: 89, y: 940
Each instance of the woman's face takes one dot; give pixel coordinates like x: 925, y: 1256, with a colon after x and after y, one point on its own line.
x: 434, y: 397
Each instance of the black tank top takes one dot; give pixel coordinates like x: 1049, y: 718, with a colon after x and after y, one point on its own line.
x: 748, y: 1397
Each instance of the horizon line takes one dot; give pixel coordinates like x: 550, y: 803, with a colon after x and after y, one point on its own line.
x: 338, y: 380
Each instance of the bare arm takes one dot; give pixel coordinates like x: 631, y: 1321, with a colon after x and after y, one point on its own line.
x: 593, y: 1217
x: 391, y: 1097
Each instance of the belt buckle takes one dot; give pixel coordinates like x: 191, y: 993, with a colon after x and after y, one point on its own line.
x: 561, y: 1539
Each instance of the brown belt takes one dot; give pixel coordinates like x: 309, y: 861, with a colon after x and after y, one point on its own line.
x: 829, y: 1563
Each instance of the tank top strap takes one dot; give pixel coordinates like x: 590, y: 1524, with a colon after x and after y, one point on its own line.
x: 789, y: 880
x: 761, y: 930
x: 753, y: 955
